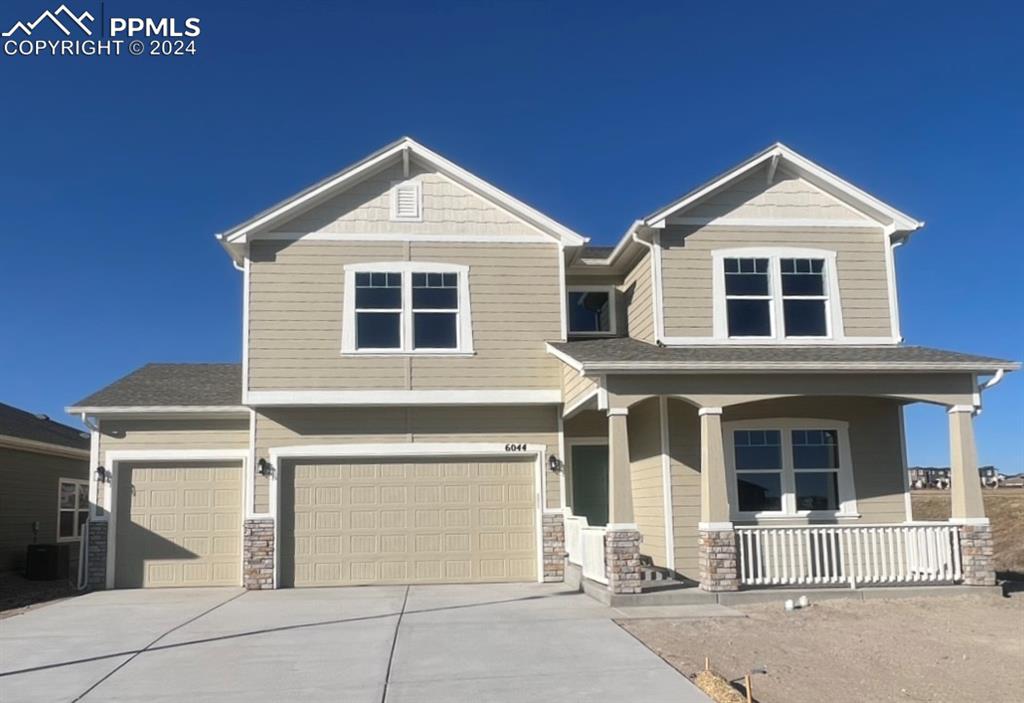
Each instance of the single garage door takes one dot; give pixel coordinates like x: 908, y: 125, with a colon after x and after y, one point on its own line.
x: 179, y: 525
x: 408, y: 521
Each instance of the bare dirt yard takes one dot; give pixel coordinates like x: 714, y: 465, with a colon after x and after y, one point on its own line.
x: 1004, y: 507
x: 955, y: 649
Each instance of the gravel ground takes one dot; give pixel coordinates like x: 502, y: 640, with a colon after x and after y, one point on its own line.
x: 958, y: 649
x: 18, y: 594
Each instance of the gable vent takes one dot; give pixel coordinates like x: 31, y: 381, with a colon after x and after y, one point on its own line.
x: 406, y: 201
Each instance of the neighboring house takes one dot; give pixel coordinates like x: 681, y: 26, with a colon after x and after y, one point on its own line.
x: 441, y: 384
x: 938, y: 477
x: 44, y: 473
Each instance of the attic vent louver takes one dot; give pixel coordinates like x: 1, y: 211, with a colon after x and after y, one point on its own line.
x: 406, y: 201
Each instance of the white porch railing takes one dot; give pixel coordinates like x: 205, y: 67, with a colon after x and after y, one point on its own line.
x: 584, y: 546
x: 848, y: 554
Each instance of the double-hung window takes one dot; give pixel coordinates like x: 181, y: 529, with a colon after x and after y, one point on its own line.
x: 792, y: 467
x: 72, y: 508
x: 774, y: 295
x: 407, y: 308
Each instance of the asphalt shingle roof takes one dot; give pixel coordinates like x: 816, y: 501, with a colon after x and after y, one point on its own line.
x: 15, y: 422
x: 624, y: 350
x: 172, y: 384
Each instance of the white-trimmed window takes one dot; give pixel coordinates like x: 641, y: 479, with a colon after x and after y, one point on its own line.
x: 407, y: 307
x: 407, y: 201
x: 775, y: 295
x: 591, y: 310
x: 72, y: 508
x: 790, y: 467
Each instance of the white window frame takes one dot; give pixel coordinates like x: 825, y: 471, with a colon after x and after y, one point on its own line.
x: 844, y: 474
x: 77, y: 509
x: 417, y: 187
x: 464, y: 323
x: 613, y: 318
x: 777, y: 335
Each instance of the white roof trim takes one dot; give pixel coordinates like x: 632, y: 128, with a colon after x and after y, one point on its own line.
x: 638, y: 367
x: 409, y: 397
x: 232, y: 410
x: 401, y: 148
x: 38, y: 447
x: 805, y: 168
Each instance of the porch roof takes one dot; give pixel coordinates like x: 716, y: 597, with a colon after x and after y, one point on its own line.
x: 627, y: 355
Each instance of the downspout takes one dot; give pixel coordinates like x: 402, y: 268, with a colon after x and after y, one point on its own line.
x: 997, y: 377
x: 659, y: 324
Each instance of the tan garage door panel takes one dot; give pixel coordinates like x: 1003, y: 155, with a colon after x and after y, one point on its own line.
x: 179, y: 525
x: 419, y: 521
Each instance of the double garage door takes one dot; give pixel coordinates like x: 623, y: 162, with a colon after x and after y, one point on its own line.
x: 348, y: 522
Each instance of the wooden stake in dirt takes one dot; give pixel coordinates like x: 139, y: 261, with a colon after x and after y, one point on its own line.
x: 746, y: 685
x: 707, y: 664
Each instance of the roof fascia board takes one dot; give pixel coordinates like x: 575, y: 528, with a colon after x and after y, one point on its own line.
x: 38, y: 447
x: 639, y: 367
x: 352, y: 174
x: 160, y: 410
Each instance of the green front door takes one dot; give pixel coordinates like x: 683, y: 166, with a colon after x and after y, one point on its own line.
x: 590, y: 482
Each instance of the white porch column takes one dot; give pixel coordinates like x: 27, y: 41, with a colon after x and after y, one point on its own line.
x: 965, y: 485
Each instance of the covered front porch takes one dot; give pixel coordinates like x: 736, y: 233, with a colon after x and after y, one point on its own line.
x: 755, y: 480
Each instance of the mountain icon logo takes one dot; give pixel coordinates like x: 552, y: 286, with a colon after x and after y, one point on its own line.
x: 62, y: 12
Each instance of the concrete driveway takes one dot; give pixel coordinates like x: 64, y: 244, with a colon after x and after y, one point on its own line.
x: 510, y: 642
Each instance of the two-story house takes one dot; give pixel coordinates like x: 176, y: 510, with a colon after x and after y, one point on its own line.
x: 441, y: 384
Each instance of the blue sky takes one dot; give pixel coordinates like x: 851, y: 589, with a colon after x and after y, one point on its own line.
x: 119, y: 170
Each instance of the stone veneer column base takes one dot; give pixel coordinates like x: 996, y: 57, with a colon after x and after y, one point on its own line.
x: 96, y: 556
x: 716, y: 554
x: 976, y: 555
x: 622, y: 560
x: 553, y: 526
x: 258, y: 554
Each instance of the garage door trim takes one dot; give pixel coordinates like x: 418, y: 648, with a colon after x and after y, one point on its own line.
x: 115, y: 457
x: 419, y: 450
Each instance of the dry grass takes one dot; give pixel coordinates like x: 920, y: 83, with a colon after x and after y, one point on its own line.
x: 1004, y: 507
x: 718, y: 688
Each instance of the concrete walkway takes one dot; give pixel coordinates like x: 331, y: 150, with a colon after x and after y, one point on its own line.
x: 510, y: 642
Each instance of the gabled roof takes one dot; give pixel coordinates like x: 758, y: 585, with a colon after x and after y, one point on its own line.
x: 404, y: 148
x: 780, y: 154
x: 21, y: 424
x: 165, y: 386
x: 627, y: 355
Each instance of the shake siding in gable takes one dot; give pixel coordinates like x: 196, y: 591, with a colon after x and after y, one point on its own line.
x: 687, y: 273
x: 296, y: 304
x: 638, y: 293
x: 448, y: 208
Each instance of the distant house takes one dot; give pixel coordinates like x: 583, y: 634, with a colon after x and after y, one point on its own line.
x: 44, y: 471
x: 938, y: 476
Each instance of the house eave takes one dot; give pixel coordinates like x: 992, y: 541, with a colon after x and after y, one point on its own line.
x: 635, y: 367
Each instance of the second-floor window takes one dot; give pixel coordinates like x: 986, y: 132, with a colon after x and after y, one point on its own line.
x: 776, y: 295
x: 591, y: 310
x: 407, y: 308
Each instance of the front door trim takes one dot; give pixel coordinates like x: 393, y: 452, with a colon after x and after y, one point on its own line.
x: 121, y: 456
x: 412, y: 449
x: 570, y: 444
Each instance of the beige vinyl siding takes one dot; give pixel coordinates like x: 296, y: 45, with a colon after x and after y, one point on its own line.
x: 684, y: 468
x: 448, y: 208
x: 575, y: 386
x: 296, y: 305
x: 647, y: 481
x: 157, y: 434
x: 498, y: 424
x: 687, y: 274
x: 638, y: 292
x: 874, y: 427
x: 30, y: 483
x: 787, y: 197
x: 875, y: 446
